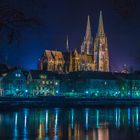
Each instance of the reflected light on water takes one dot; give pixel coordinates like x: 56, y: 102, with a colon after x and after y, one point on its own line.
x: 16, y: 118
x: 72, y: 118
x: 137, y: 117
x: 129, y: 115
x: 25, y: 118
x: 56, y: 124
x: 47, y: 121
x: 25, y: 124
x: 41, y: 131
x: 15, y: 127
x: 97, y: 118
x: 117, y: 117
x: 86, y: 112
x: 71, y: 124
x: 103, y: 133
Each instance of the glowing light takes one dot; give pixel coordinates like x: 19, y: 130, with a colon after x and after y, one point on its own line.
x: 56, y: 121
x: 56, y: 83
x: 18, y: 75
x: 72, y: 118
x: 16, y: 117
x: 15, y: 128
x: 47, y: 121
x: 97, y: 118
x: 86, y: 118
x: 129, y: 115
x: 137, y: 117
x: 26, y: 90
x: 25, y: 118
x: 17, y: 89
x: 87, y: 92
x: 117, y: 114
x: 43, y: 76
x: 25, y: 125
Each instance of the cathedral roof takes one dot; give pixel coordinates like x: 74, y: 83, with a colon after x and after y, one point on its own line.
x: 51, y: 55
x: 88, y: 35
x: 48, y: 54
x: 101, y: 25
x: 86, y: 58
x: 57, y: 54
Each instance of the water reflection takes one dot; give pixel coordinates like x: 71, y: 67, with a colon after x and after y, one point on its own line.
x: 71, y: 124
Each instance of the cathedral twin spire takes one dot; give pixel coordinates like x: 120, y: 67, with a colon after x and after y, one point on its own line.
x: 93, y: 57
x: 101, y: 26
x: 88, y: 35
x: 99, y: 49
x: 86, y: 47
x: 101, y: 56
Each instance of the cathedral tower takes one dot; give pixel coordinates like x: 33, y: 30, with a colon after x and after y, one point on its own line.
x: 101, y: 58
x: 87, y: 45
x: 67, y: 44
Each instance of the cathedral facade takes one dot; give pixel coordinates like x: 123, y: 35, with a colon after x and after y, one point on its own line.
x: 93, y: 55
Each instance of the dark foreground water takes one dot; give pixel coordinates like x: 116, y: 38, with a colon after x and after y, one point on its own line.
x: 67, y: 124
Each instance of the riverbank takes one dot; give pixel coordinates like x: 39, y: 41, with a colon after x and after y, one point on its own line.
x: 18, y: 102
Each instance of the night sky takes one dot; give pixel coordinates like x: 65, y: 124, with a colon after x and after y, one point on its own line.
x: 68, y: 17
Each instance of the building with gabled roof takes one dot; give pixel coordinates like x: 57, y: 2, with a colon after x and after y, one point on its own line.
x: 42, y: 83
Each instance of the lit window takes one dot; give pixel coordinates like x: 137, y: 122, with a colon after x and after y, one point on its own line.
x: 56, y: 83
x: 18, y: 75
x: 43, y: 76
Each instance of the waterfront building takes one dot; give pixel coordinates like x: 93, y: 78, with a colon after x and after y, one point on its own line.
x: 100, y: 84
x: 1, y: 89
x: 14, y: 83
x: 93, y: 55
x: 42, y: 83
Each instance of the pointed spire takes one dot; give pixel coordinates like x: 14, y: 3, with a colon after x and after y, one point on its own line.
x: 67, y: 44
x: 71, y: 62
x: 101, y: 26
x: 88, y: 29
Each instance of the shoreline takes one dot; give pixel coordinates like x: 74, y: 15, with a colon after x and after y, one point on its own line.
x: 64, y: 102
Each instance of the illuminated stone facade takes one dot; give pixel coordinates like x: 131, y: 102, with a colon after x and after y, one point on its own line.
x: 52, y: 61
x: 92, y: 57
x: 101, y: 58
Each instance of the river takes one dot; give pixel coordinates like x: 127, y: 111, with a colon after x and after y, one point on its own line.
x: 70, y: 124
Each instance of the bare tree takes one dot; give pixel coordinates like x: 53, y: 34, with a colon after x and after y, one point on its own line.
x: 12, y: 21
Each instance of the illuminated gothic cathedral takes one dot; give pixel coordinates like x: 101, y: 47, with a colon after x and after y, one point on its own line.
x: 93, y: 56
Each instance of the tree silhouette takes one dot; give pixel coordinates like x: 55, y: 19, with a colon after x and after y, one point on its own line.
x: 12, y: 21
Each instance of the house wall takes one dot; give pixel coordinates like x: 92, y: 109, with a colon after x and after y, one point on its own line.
x: 101, y: 88
x: 14, y: 84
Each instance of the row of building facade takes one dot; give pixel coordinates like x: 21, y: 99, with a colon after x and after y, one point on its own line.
x: 93, y: 54
x: 17, y: 82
